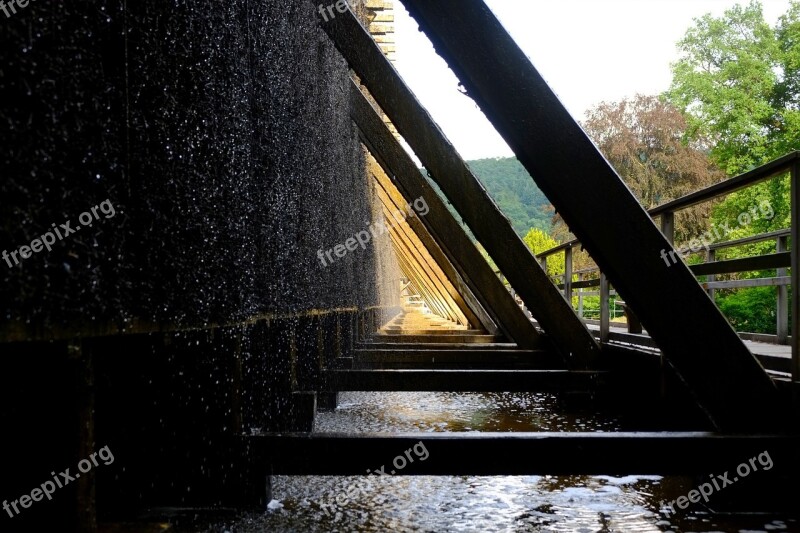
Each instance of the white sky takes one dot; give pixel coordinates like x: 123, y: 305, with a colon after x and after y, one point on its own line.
x: 589, y: 51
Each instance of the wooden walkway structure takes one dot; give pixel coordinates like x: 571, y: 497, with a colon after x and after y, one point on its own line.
x: 196, y: 343
x: 490, y: 344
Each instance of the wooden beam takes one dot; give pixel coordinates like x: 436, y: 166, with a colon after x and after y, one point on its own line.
x: 428, y: 293
x: 455, y: 359
x: 464, y: 191
x: 437, y: 292
x: 425, y: 277
x: 769, y: 170
x: 618, y: 233
x: 494, y: 454
x: 396, y: 345
x: 434, y: 339
x: 442, y: 227
x: 463, y: 380
x: 795, y: 258
x: 745, y: 264
x: 426, y: 245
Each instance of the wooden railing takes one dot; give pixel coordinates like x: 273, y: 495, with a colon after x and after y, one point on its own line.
x: 786, y: 255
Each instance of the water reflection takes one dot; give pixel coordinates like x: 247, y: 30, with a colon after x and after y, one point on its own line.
x: 472, y: 503
x: 449, y: 411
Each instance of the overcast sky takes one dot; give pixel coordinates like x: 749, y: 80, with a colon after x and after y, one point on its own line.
x: 588, y: 50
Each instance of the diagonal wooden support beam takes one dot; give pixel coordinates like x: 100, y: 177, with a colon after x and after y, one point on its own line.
x: 446, y: 232
x: 442, y: 259
x: 464, y: 191
x: 726, y: 378
x: 417, y: 270
x: 419, y: 276
x: 428, y: 253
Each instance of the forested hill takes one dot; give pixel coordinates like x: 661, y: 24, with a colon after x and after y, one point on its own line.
x: 515, y: 193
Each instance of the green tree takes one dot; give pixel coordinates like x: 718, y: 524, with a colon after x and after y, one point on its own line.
x: 752, y: 310
x: 644, y: 140
x: 538, y: 242
x: 737, y: 82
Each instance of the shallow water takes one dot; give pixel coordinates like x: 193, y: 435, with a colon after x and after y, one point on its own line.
x: 473, y: 503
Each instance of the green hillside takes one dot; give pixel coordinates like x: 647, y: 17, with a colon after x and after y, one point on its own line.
x: 514, y: 192
x: 512, y: 188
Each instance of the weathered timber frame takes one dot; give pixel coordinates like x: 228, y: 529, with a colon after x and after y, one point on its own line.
x: 727, y: 380
x: 446, y: 232
x: 414, y: 231
x: 559, y: 454
x: 424, y: 273
x: 464, y: 191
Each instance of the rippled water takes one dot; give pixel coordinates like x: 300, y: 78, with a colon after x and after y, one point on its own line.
x: 473, y: 503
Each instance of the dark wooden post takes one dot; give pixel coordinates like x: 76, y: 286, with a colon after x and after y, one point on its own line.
x: 668, y: 226
x: 605, y: 326
x: 568, y: 275
x: 711, y: 256
x: 82, y: 367
x: 782, y: 311
x: 795, y: 253
x: 331, y: 350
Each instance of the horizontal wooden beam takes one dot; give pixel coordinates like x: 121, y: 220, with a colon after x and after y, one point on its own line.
x: 772, y: 169
x: 745, y: 264
x: 397, y: 345
x: 435, y: 339
x: 494, y: 454
x: 455, y: 359
x: 769, y: 236
x: 463, y: 380
x: 397, y: 330
x: 446, y: 355
x: 746, y: 283
x: 454, y: 365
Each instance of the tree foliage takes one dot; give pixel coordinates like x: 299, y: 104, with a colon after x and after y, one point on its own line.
x: 643, y: 139
x: 538, y: 241
x: 751, y: 310
x: 514, y: 192
x: 738, y: 81
x: 512, y: 189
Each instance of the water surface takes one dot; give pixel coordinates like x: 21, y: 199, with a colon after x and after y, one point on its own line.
x: 475, y: 503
